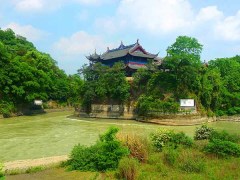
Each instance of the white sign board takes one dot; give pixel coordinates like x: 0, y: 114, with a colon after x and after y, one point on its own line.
x: 38, y: 102
x: 187, y: 102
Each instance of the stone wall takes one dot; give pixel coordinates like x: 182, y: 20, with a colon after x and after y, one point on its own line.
x: 110, y: 111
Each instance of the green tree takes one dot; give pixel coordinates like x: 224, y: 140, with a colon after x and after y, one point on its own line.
x: 103, y: 84
x: 183, y: 62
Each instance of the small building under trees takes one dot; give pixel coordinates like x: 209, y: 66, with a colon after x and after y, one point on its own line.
x: 134, y: 56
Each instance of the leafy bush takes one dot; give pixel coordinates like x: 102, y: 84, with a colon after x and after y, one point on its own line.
x: 128, y: 168
x: 148, y: 105
x: 224, y: 136
x: 137, y: 146
x: 233, y: 110
x: 223, y: 148
x: 160, y: 138
x: 104, y: 155
x: 6, y: 108
x: 181, y: 138
x: 163, y: 138
x: 203, y: 132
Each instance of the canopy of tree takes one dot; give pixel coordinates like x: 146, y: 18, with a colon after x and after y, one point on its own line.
x: 214, y: 86
x: 27, y: 74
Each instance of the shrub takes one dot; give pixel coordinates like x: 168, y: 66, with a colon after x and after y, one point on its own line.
x: 181, y: 138
x: 224, y: 136
x: 233, y: 110
x: 128, y: 168
x: 104, y: 155
x: 160, y: 138
x: 6, y: 108
x: 149, y: 105
x: 223, y: 148
x: 137, y: 146
x: 203, y: 132
x: 163, y: 138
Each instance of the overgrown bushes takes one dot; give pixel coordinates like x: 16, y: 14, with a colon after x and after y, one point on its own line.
x: 6, y: 108
x: 150, y: 106
x: 104, y: 155
x: 223, y: 148
x: 139, y: 160
x: 224, y: 136
x: 203, y: 132
x: 220, y: 143
x: 163, y: 138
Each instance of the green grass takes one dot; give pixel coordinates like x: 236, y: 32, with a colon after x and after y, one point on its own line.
x: 56, y: 133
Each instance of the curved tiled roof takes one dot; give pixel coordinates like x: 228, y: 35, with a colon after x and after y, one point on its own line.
x: 133, y: 49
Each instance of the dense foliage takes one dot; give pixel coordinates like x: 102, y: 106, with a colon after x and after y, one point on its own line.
x: 104, y: 84
x: 220, y: 143
x: 203, y: 132
x: 162, y: 138
x: 223, y: 148
x: 214, y: 86
x: 104, y: 155
x: 27, y: 74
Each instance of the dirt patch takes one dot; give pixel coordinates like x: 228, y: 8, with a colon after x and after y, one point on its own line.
x: 25, y: 164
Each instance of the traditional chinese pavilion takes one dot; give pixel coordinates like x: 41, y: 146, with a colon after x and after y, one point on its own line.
x: 133, y: 56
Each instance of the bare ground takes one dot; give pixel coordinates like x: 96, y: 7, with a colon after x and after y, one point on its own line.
x: 25, y: 164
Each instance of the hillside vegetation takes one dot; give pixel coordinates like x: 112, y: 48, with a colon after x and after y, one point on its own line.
x: 215, y: 85
x: 27, y: 74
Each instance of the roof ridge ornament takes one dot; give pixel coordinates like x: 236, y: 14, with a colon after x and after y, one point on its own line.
x: 138, y: 41
x: 121, y: 46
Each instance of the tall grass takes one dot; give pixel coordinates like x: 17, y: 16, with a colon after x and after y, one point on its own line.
x: 128, y: 169
x: 139, y: 147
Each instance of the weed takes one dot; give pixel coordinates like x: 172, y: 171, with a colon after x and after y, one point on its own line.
x: 191, y: 161
x: 35, y: 169
x: 128, y: 168
x: 170, y: 156
x: 138, y: 146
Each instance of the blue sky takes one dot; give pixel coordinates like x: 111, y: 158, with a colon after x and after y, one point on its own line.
x: 71, y: 29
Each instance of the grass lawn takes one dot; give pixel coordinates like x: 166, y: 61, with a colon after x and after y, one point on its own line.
x: 56, y: 133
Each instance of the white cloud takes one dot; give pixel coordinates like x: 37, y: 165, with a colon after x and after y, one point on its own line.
x: 156, y: 16
x: 152, y: 16
x: 172, y: 17
x: 80, y: 43
x: 45, y: 5
x: 209, y: 13
x: 73, y: 49
x: 229, y: 28
x: 28, y: 31
x: 32, y: 5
